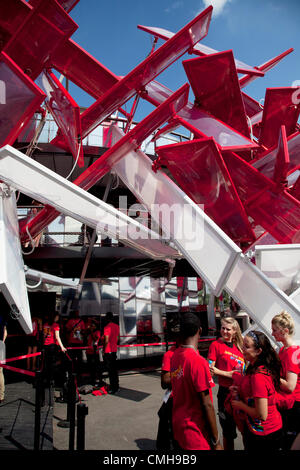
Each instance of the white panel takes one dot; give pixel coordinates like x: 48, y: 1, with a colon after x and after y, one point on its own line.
x: 44, y: 185
x: 280, y: 263
x: 12, y: 276
x: 34, y: 275
x: 295, y: 297
x: 207, y: 248
x: 260, y: 297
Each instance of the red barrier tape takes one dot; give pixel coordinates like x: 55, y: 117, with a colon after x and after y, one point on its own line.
x: 11, y: 359
x: 20, y: 371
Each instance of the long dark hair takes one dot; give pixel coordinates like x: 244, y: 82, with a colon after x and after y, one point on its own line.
x: 268, y: 358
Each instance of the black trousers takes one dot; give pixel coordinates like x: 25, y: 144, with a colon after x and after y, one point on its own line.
x: 270, y: 442
x: 110, y: 361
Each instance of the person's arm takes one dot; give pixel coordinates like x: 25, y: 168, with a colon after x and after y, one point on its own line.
x: 290, y: 383
x: 105, y: 342
x: 57, y: 337
x: 4, y: 334
x: 259, y: 411
x: 223, y: 373
x: 165, y: 380
x: 210, y: 416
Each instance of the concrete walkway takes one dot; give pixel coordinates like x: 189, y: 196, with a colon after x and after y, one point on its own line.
x: 125, y: 421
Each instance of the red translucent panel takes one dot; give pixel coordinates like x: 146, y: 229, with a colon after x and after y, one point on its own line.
x: 67, y: 5
x: 103, y: 164
x: 19, y: 99
x: 34, y: 42
x: 279, y: 110
x: 266, y: 164
x: 215, y: 84
x: 146, y: 71
x: 275, y: 211
x: 66, y: 114
x: 295, y: 191
x: 12, y: 15
x: 247, y: 79
x: 282, y: 158
x: 206, y: 180
x: 199, y: 122
x: 200, y: 49
x: 134, y: 138
x: 82, y: 69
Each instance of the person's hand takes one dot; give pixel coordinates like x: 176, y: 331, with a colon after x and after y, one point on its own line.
x: 237, y: 404
x: 218, y: 447
x: 64, y: 349
x: 212, y: 370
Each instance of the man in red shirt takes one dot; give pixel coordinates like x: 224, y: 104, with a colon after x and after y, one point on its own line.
x: 75, y: 329
x: 194, y: 420
x: 111, y: 336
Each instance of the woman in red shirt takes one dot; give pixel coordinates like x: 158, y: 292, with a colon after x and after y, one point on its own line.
x: 263, y: 427
x: 51, y: 342
x: 225, y: 357
x: 283, y: 328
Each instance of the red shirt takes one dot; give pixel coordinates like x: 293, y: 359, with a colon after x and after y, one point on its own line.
x: 112, y: 331
x: 49, y: 333
x: 290, y: 362
x: 189, y: 376
x: 226, y: 358
x: 93, y: 340
x: 261, y: 385
x: 166, y: 361
x: 75, y: 328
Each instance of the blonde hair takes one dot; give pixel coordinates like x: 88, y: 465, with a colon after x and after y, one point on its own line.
x: 237, y: 336
x: 284, y: 320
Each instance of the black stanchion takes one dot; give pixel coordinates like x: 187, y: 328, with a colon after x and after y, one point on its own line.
x: 38, y: 401
x: 82, y: 412
x: 72, y: 410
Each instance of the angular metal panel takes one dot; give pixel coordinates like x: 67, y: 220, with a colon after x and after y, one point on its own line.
x: 12, y: 275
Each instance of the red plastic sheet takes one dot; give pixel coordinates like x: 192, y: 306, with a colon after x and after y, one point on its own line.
x: 276, y: 211
x: 282, y: 159
x: 279, y: 109
x: 206, y: 181
x: 67, y: 5
x: 19, y: 99
x: 199, y: 122
x: 215, y: 84
x: 104, y: 163
x: 44, y: 29
x: 82, y: 69
x: 12, y: 15
x: 266, y: 164
x: 66, y: 114
x: 146, y: 71
x: 247, y: 79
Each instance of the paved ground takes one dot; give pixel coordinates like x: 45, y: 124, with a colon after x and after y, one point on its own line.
x: 126, y: 421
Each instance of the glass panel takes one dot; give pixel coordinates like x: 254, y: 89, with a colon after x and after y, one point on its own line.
x: 207, y: 182
x: 66, y: 114
x: 215, y: 84
x: 266, y: 164
x: 278, y: 213
x: 19, y: 99
x: 110, y: 299
x: 199, y: 122
x: 128, y: 317
x: 158, y: 306
x: 278, y: 111
x: 39, y: 35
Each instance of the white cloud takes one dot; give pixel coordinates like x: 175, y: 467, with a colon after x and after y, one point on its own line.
x: 218, y: 5
x: 175, y: 5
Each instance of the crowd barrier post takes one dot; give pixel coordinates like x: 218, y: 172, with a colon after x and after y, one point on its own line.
x: 71, y: 411
x: 82, y: 412
x: 37, y: 415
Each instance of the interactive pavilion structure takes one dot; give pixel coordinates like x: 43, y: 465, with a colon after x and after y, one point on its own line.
x: 236, y: 174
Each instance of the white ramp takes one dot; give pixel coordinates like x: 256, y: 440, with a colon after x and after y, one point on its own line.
x: 209, y: 250
x: 44, y: 185
x: 280, y: 263
x: 12, y: 276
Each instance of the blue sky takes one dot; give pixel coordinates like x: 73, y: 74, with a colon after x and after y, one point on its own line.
x: 256, y: 31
